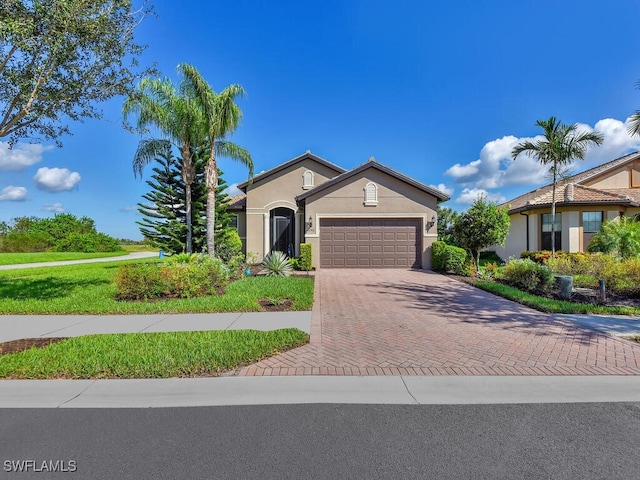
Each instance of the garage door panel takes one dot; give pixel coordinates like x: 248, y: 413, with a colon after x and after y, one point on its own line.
x: 370, y: 243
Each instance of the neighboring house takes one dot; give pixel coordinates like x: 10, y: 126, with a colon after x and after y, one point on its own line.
x: 370, y: 216
x: 583, y: 202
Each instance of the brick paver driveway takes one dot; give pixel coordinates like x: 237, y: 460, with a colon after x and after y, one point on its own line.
x: 392, y: 322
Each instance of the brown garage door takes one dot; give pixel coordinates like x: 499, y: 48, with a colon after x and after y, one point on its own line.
x: 374, y: 243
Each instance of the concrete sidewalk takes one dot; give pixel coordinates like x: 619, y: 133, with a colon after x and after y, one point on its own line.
x: 130, y: 256
x: 616, y: 325
x: 410, y: 390
x: 14, y: 327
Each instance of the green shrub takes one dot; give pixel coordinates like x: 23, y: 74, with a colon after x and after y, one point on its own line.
x: 24, y: 242
x: 199, y: 275
x: 87, y: 242
x: 527, y: 275
x: 295, y: 263
x: 619, y: 237
x: 449, y: 258
x: 622, y: 277
x: 538, y: 256
x: 438, y: 256
x: 575, y: 263
x: 306, y: 262
x: 490, y: 256
x: 585, y: 281
x: 276, y: 264
x: 228, y: 244
x: 141, y: 281
x: 183, y: 258
x: 489, y: 270
x: 196, y: 278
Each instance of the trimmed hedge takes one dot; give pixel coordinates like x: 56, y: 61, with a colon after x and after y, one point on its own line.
x: 448, y: 258
x: 305, y: 257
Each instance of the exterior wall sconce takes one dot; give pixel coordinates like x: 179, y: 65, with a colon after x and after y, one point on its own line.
x: 310, y: 222
x: 430, y: 223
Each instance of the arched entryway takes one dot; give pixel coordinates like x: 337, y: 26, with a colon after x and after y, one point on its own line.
x: 282, y: 230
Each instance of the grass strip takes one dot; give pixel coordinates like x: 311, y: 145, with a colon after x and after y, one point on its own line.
x: 549, y: 305
x: 20, y: 258
x: 149, y: 355
x: 90, y: 289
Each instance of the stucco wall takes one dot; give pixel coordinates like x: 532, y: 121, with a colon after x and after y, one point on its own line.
x: 572, y: 229
x: 626, y: 176
x: 274, y: 191
x: 396, y: 199
x: 516, y: 241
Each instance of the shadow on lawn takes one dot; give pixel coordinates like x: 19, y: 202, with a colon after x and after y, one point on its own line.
x: 42, y: 288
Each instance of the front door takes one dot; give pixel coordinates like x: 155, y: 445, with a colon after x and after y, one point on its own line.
x: 282, y: 224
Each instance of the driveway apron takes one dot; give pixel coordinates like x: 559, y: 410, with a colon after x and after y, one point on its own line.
x: 412, y: 322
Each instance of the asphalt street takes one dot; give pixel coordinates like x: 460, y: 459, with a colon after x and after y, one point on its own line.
x: 518, y: 441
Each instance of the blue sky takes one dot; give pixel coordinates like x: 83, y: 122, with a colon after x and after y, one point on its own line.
x: 440, y: 91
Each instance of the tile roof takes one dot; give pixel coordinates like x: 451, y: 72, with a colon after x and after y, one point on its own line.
x: 372, y: 163
x: 238, y: 202
x: 570, y: 190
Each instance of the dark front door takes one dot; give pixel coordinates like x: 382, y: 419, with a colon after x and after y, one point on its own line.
x: 282, y: 230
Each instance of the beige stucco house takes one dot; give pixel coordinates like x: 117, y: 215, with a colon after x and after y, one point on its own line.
x: 583, y: 202
x: 370, y: 216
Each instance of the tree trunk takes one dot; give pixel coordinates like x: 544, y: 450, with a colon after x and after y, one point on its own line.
x: 553, y: 212
x: 188, y: 176
x: 187, y: 214
x: 211, y: 182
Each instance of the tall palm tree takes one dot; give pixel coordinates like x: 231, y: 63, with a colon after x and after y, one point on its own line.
x: 222, y: 117
x: 560, y: 146
x: 178, y: 118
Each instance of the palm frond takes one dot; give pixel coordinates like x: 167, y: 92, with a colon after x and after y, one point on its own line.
x: 634, y: 123
x: 147, y: 151
x: 234, y: 152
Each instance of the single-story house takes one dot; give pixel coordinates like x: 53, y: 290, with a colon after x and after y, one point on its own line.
x: 369, y: 216
x: 583, y: 202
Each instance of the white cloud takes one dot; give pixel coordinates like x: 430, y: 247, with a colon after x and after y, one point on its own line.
x: 496, y: 169
x: 470, y: 195
x: 617, y: 141
x: 13, y: 194
x: 21, y: 156
x: 56, y: 179
x: 128, y: 209
x: 443, y: 188
x: 55, y: 207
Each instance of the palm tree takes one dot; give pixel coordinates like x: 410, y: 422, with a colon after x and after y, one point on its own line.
x: 560, y: 146
x: 222, y: 117
x: 178, y: 117
x: 634, y: 124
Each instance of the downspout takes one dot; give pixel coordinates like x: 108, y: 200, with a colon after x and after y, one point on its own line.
x: 527, y: 215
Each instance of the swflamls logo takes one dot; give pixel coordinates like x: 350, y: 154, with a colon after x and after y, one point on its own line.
x: 40, y: 466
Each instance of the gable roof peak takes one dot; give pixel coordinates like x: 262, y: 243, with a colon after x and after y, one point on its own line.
x: 372, y: 158
x: 282, y: 166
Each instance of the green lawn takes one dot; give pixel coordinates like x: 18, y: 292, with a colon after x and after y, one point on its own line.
x: 19, y: 258
x: 139, y: 248
x: 149, y: 355
x: 548, y: 305
x: 90, y: 289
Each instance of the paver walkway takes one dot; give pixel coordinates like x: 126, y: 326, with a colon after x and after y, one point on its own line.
x: 398, y: 322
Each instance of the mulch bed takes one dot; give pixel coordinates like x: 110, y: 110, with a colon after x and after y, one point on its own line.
x: 22, y: 344
x: 270, y: 306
